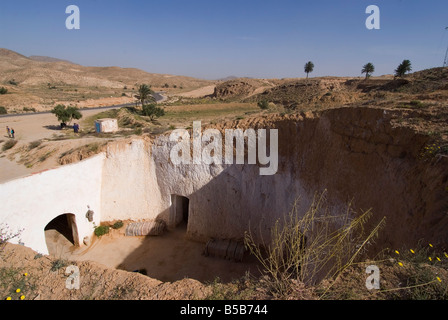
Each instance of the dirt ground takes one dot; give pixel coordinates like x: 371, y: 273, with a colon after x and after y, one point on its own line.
x: 167, y: 258
x: 198, y: 93
x: 29, y: 128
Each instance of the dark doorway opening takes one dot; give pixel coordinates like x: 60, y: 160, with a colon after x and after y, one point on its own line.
x: 61, y: 232
x: 180, y: 210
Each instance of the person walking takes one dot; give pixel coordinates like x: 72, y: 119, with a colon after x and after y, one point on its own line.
x: 12, y: 133
x: 8, y: 131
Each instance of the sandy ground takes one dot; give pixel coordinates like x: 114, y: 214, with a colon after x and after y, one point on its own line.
x: 29, y: 128
x: 198, y: 93
x: 168, y: 258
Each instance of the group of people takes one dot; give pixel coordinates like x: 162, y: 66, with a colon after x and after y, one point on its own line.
x: 11, y: 132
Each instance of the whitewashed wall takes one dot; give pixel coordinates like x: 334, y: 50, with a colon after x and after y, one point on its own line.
x: 135, y: 179
x: 32, y: 202
x: 129, y: 189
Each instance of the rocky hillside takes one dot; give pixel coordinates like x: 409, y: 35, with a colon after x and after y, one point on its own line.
x: 40, y: 82
x: 37, y: 70
x: 336, y: 91
x: 241, y: 88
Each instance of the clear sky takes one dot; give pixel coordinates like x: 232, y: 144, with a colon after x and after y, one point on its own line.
x: 212, y: 39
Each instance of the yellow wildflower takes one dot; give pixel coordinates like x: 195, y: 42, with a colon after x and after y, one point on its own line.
x: 429, y: 258
x: 412, y: 251
x: 22, y: 297
x: 18, y: 290
x: 438, y: 279
x: 431, y: 245
x: 446, y: 255
x: 400, y: 264
x: 25, y: 274
x: 438, y: 258
x: 396, y: 251
x: 9, y: 298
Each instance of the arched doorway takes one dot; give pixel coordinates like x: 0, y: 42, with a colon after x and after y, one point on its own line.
x: 61, y: 234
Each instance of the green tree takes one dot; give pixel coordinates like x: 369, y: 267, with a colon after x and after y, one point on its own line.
x: 152, y: 111
x: 145, y: 94
x: 66, y: 114
x: 403, y: 68
x: 309, y: 67
x: 368, y: 69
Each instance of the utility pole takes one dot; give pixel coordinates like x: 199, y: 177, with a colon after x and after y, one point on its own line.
x: 445, y: 62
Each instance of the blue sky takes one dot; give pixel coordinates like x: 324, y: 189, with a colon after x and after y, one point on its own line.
x: 215, y: 39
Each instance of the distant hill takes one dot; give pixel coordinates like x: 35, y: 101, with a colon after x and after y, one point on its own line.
x: 229, y: 78
x: 38, y: 83
x: 38, y: 70
x: 48, y: 59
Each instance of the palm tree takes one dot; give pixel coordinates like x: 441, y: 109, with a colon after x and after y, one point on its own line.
x: 144, y: 94
x: 403, y: 68
x: 309, y: 67
x: 368, y: 69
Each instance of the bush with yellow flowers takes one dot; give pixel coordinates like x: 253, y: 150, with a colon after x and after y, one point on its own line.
x: 430, y: 151
x: 420, y: 271
x: 15, y: 284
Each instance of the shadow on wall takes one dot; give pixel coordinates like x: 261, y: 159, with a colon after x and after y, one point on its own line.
x: 225, y: 208
x: 355, y: 154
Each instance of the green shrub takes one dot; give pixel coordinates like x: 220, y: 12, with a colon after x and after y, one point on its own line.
x: 117, y: 225
x: 101, y: 230
x: 3, y: 90
x: 152, y: 111
x: 3, y: 110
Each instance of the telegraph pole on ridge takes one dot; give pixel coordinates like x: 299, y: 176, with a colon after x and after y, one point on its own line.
x: 445, y: 62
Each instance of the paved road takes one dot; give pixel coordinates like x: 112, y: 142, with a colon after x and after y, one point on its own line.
x: 157, y: 95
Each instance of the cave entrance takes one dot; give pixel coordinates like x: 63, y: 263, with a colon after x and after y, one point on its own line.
x: 180, y: 207
x: 61, y: 233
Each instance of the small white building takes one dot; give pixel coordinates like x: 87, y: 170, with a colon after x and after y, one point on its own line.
x: 106, y: 125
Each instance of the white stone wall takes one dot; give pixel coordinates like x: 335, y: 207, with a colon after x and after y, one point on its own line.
x: 135, y: 180
x: 32, y: 202
x: 129, y: 189
x: 225, y: 200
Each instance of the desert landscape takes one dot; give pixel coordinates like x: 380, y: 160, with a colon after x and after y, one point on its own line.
x: 381, y: 142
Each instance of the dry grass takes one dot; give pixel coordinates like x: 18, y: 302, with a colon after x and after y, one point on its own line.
x: 313, y: 246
